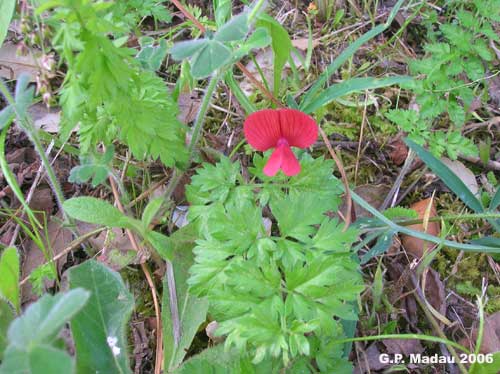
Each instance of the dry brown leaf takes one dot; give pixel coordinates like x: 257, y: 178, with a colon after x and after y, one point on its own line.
x: 47, y: 119
x: 491, y: 335
x: 59, y: 239
x: 416, y: 246
x: 435, y: 293
x: 12, y: 65
x: 399, y: 150
x: 374, y: 194
x: 303, y: 43
x: 369, y: 361
x: 403, y: 346
x: 189, y: 103
x: 464, y: 173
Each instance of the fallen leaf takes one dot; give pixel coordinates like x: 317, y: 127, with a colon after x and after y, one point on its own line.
x: 399, y: 150
x: 415, y: 246
x: 374, y: 194
x: 435, y: 291
x: 369, y: 360
x: 12, y: 64
x: 59, y: 238
x: 403, y: 346
x: 464, y: 173
x: 303, y: 43
x: 189, y: 104
x: 47, y: 119
x: 491, y: 335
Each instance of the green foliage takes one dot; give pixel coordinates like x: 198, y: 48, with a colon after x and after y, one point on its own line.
x: 277, y: 296
x: 192, y: 309
x: 7, y: 8
x: 100, y: 212
x: 9, y: 277
x: 106, y: 91
x: 94, y: 167
x: 453, y: 69
x: 99, y: 328
x: 6, y: 317
x: 400, y: 212
x: 131, y: 12
x: 151, y: 55
x: 281, y: 45
x: 40, y: 275
x: 32, y: 337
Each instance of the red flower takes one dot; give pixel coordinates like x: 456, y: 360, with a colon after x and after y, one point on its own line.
x: 280, y: 129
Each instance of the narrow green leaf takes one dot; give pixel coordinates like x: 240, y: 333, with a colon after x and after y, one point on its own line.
x: 346, y: 54
x: 495, y: 202
x: 6, y: 12
x: 281, y: 44
x: 9, y: 276
x: 383, y: 243
x: 352, y: 85
x: 99, y: 329
x: 449, y: 178
x: 192, y: 310
x: 96, y: 211
x: 7, y: 115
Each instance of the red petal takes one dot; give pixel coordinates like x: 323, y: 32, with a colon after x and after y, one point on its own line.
x: 262, y: 129
x: 273, y: 165
x: 299, y: 129
x: 289, y: 163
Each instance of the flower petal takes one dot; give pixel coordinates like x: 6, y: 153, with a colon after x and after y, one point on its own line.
x: 299, y: 129
x: 289, y: 163
x: 273, y: 165
x: 262, y: 129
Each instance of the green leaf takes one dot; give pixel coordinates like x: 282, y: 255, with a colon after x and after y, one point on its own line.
x: 234, y: 30
x: 192, y: 310
x: 297, y: 213
x: 352, y: 85
x: 151, y: 210
x: 40, y: 359
x: 383, y: 244
x: 6, y: 12
x: 214, y: 360
x: 281, y: 45
x: 187, y: 48
x: 7, y: 115
x: 99, y: 329
x: 447, y: 176
x: 161, y: 243
x: 42, y: 321
x: 32, y: 335
x: 9, y: 276
x: 6, y: 317
x: 96, y: 211
x: 209, y: 58
x: 95, y: 167
x: 495, y: 202
x: 151, y: 56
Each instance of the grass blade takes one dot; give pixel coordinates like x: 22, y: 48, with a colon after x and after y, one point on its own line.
x: 352, y: 85
x: 449, y: 178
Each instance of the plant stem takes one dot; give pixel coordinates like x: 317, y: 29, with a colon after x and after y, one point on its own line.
x: 200, y: 118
